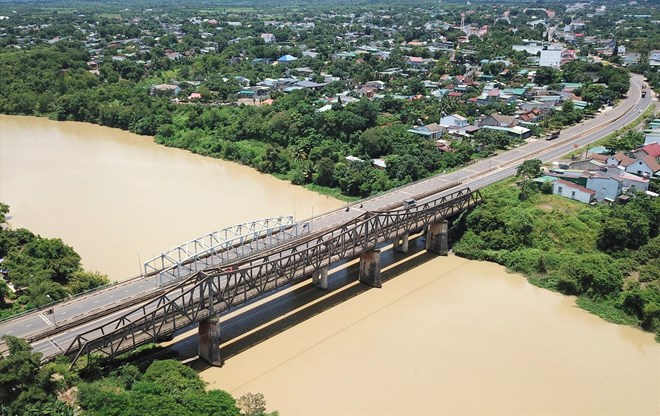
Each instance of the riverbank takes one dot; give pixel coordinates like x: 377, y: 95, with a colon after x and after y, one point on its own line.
x: 606, y: 255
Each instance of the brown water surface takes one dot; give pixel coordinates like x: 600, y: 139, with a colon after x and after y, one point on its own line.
x: 452, y: 337
x: 119, y: 198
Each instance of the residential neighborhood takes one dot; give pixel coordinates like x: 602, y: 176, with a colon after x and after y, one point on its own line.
x: 457, y: 84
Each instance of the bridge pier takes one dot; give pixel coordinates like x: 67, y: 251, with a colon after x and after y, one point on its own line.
x: 370, y: 268
x: 209, y: 341
x: 320, y: 278
x: 401, y: 244
x: 437, y: 238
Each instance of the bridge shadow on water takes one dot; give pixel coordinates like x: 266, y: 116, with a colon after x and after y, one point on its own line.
x: 292, y: 305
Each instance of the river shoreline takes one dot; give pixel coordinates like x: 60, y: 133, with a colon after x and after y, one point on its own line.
x: 450, y: 336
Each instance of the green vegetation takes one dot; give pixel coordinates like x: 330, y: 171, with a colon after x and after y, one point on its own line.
x: 41, y: 270
x: 161, y: 388
x: 102, y: 66
x: 606, y: 255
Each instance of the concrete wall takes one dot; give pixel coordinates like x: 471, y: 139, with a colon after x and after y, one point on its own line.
x: 604, y: 188
x: 566, y: 191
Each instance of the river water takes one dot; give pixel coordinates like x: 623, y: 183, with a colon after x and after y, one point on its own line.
x: 450, y: 336
x: 119, y: 199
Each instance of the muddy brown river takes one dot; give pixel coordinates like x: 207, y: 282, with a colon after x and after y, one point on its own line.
x: 447, y: 337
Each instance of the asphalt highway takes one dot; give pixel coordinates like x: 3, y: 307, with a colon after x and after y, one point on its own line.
x: 131, y: 294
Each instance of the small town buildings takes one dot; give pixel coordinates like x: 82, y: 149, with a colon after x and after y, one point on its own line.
x: 414, y: 62
x: 430, y: 131
x: 268, y: 37
x: 654, y: 57
x: 453, y: 121
x: 606, y: 187
x: 165, y: 88
x: 551, y: 58
x: 286, y: 58
x: 619, y: 159
x: 515, y: 131
x: 646, y: 166
x: 499, y: 120
x: 651, y: 149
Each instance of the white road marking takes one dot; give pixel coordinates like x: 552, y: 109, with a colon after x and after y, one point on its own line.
x: 41, y: 315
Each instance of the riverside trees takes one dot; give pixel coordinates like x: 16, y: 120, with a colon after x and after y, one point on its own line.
x: 606, y: 255
x: 165, y: 387
x: 42, y: 269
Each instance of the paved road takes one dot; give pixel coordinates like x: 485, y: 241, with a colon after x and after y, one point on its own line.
x: 476, y: 175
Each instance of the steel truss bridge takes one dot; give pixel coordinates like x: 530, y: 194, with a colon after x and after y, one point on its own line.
x: 209, y: 292
x: 219, y: 247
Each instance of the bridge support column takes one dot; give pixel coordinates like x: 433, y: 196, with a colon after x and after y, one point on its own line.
x: 209, y: 341
x: 320, y: 278
x: 370, y: 268
x: 437, y: 238
x: 401, y: 244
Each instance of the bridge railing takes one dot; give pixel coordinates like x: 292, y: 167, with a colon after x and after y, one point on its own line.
x: 216, y: 290
x: 220, y: 246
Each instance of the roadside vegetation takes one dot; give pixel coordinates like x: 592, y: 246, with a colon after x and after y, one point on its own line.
x: 36, y: 271
x: 146, y: 388
x: 607, y: 256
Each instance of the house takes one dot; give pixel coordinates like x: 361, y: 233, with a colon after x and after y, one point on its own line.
x: 309, y: 84
x: 488, y: 97
x: 590, y: 164
x: 165, y: 88
x: 645, y: 166
x: 286, y: 58
x: 574, y: 191
x: 499, y: 121
x: 629, y: 181
x: 268, y: 37
x: 551, y: 58
x: 651, y: 149
x: 430, y: 131
x: 453, y: 121
x: 173, y: 56
x: 515, y: 131
x: 532, y: 116
x: 654, y: 57
x: 414, y: 61
x: 195, y: 96
x: 650, y: 138
x: 606, y: 187
x: 379, y: 85
x: 379, y: 163
x: 619, y: 159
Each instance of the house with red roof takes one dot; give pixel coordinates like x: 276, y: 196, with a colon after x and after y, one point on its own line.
x: 620, y: 159
x: 651, y: 149
x: 646, y: 166
x: 414, y: 61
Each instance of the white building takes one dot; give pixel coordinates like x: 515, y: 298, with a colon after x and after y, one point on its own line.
x: 573, y: 191
x: 551, y: 58
x: 268, y: 37
x: 453, y: 121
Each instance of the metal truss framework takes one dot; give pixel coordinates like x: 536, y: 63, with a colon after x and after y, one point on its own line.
x: 215, y: 290
x: 222, y: 246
